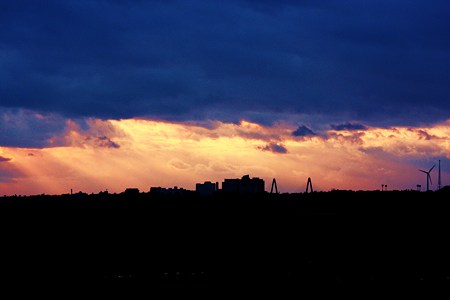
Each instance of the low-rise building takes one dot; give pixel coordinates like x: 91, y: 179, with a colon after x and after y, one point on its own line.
x: 245, y: 185
x: 207, y: 188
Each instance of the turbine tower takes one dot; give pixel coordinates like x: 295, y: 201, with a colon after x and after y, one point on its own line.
x: 428, y: 177
x: 439, y: 176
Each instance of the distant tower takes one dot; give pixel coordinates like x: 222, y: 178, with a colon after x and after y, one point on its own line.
x: 309, y: 185
x: 274, y: 184
x: 439, y: 176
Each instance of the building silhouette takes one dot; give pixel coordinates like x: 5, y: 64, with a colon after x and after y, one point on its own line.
x: 207, y: 188
x: 131, y: 191
x: 175, y: 191
x: 245, y: 185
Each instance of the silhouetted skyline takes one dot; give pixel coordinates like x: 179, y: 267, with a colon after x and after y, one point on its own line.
x: 168, y: 238
x: 243, y: 186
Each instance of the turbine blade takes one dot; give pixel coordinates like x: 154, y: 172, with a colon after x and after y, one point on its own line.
x: 429, y: 177
x: 432, y: 168
x: 423, y: 171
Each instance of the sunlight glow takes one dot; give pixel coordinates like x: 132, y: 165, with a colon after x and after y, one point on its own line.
x: 117, y: 154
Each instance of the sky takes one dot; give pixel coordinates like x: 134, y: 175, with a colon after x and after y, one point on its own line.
x: 109, y: 94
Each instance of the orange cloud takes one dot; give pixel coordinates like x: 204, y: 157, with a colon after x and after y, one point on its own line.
x: 117, y: 154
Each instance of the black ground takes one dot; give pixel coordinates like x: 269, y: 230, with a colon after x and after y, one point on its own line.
x: 290, y: 241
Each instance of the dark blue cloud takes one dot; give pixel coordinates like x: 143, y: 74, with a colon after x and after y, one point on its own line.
x: 349, y: 126
x: 303, y: 131
x: 274, y: 147
x: 103, y: 142
x: 24, y: 128
x: 4, y: 159
x: 380, y: 62
x: 8, y: 173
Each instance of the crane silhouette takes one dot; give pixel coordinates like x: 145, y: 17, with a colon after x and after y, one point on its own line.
x: 428, y: 177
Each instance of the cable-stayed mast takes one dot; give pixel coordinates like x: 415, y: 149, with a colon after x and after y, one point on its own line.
x: 274, y: 185
x: 309, y: 185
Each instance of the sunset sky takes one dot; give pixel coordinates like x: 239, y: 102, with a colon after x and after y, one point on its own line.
x: 105, y: 95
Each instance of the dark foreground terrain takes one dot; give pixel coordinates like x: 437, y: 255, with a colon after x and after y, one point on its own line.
x: 295, y: 241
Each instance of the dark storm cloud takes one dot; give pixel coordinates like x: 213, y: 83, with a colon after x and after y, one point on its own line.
x: 303, y: 131
x: 381, y: 62
x: 349, y: 126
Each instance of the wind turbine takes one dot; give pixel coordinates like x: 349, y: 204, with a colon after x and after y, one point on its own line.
x: 428, y: 177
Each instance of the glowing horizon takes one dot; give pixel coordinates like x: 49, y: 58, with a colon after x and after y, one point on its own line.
x: 116, y: 154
